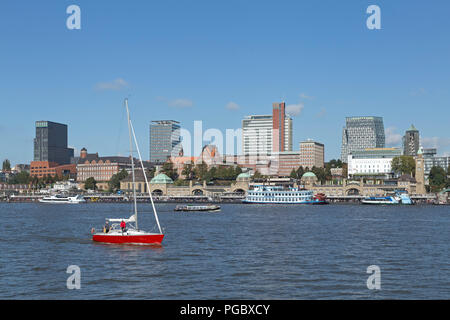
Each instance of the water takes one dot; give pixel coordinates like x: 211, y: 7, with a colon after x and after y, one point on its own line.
x: 242, y: 252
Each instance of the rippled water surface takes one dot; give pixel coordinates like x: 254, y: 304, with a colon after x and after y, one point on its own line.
x: 242, y: 252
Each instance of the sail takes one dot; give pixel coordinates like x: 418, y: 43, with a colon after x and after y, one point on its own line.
x: 130, y: 219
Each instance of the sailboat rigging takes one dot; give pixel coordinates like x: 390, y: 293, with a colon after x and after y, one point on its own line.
x: 114, y: 233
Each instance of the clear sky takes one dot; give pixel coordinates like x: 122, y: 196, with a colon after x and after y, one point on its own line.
x: 217, y: 61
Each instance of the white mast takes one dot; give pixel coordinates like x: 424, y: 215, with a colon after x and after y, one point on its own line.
x: 132, y: 164
x: 145, y: 175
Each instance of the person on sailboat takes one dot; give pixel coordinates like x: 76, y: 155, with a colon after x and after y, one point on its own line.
x: 123, y: 226
x: 106, y: 227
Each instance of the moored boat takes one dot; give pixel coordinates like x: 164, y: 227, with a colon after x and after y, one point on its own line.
x: 209, y: 208
x: 399, y: 197
x: 62, y: 199
x: 281, y: 195
x: 380, y: 200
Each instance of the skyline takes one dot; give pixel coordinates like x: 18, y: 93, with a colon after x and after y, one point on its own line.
x: 320, y: 58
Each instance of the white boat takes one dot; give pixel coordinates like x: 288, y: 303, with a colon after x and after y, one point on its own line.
x: 397, y: 198
x: 281, y: 195
x: 62, y: 199
x: 380, y: 200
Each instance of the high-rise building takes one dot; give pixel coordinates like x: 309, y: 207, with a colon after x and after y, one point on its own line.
x: 361, y: 133
x: 50, y: 143
x: 312, y: 154
x: 266, y: 134
x: 411, y: 142
x: 257, y: 135
x: 165, y: 140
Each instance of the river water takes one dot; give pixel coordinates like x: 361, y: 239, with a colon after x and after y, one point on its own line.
x: 242, y: 252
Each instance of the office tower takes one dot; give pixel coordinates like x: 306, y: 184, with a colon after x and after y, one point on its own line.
x: 411, y: 142
x: 312, y: 154
x: 50, y: 143
x: 361, y: 133
x: 266, y: 134
x: 165, y: 140
x: 257, y: 135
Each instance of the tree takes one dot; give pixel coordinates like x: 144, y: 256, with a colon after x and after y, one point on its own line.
x: 293, y: 174
x: 257, y: 175
x: 6, y: 165
x: 21, y: 178
x: 437, y: 179
x: 201, y: 170
x: 404, y: 165
x: 169, y: 170
x: 188, y: 171
x: 334, y: 163
x: 90, y: 184
x: 114, y: 182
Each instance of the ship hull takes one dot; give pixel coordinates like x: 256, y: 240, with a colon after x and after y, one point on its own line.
x: 312, y: 202
x: 129, y: 239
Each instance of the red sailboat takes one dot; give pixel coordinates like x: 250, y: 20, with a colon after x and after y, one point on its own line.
x: 126, y: 231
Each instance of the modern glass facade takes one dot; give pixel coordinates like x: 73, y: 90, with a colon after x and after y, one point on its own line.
x: 411, y: 142
x: 430, y: 160
x: 50, y: 143
x: 165, y: 140
x: 361, y: 133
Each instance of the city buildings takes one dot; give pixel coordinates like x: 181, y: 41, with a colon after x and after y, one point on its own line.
x: 312, y: 154
x: 372, y: 162
x: 165, y: 140
x: 50, y: 143
x: 41, y: 169
x: 411, y: 142
x: 430, y: 160
x: 100, y: 168
x: 285, y: 161
x: 361, y: 133
x: 264, y: 134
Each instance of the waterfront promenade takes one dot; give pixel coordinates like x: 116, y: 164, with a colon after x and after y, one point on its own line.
x: 229, y: 198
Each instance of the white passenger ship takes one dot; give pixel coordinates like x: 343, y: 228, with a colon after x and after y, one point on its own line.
x: 62, y: 199
x: 278, y: 194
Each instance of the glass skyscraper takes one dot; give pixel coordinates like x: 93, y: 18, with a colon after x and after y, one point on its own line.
x: 361, y: 133
x: 165, y: 140
x: 411, y: 142
x: 50, y: 143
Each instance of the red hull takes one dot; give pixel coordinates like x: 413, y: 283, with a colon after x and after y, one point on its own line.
x: 135, y: 239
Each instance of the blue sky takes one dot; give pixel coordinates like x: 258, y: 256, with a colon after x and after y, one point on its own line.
x: 188, y: 60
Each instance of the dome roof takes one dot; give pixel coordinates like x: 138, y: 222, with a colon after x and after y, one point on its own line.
x: 309, y: 175
x: 243, y: 176
x: 161, y: 179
